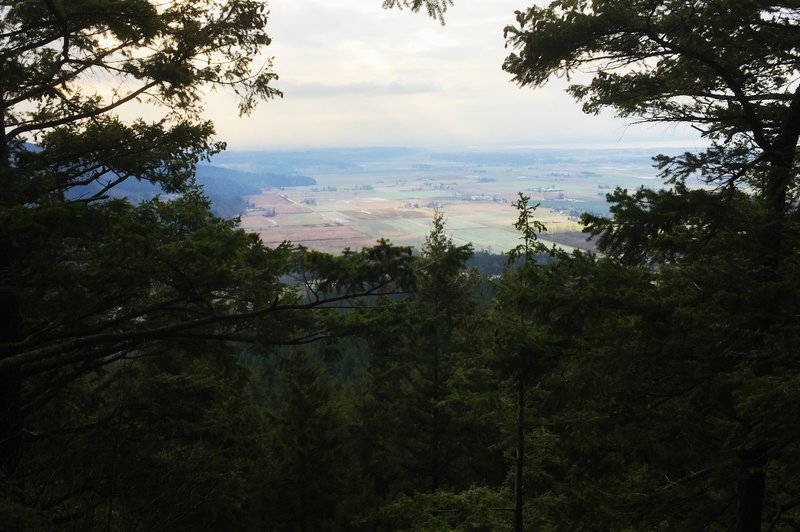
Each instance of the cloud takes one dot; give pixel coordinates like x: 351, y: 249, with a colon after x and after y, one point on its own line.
x: 355, y: 74
x: 329, y: 90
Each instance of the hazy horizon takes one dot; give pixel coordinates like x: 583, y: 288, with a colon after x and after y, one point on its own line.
x: 495, y: 147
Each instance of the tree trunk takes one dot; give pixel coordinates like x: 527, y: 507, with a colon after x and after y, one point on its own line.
x: 5, y: 153
x: 11, y: 420
x: 518, y: 498
x: 752, y: 488
x: 435, y: 465
x: 10, y: 424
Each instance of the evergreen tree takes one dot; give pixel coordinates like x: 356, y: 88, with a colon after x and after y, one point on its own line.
x: 313, y: 480
x: 435, y: 8
x: 158, y: 443
x: 427, y: 405
x: 47, y: 51
x: 444, y: 296
x: 86, y: 281
x: 522, y: 343
x: 712, y: 345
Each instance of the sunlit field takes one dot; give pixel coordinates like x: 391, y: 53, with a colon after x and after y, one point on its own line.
x: 395, y: 197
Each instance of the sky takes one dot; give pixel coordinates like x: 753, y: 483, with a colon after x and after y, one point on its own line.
x: 354, y: 74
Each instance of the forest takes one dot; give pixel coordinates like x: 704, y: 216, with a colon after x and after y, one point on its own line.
x: 161, y: 369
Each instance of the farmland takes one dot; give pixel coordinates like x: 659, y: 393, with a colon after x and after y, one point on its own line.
x: 363, y: 195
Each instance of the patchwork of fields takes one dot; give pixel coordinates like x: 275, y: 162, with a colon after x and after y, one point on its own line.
x: 367, y: 197
x: 327, y: 221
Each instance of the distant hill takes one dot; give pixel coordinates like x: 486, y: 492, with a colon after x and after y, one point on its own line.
x: 215, y: 176
x: 225, y: 187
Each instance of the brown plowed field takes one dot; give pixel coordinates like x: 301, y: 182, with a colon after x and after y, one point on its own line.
x: 331, y: 220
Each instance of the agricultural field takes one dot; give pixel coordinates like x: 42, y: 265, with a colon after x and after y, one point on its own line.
x: 363, y: 195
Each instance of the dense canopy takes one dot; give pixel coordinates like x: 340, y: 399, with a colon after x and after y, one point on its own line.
x: 162, y: 369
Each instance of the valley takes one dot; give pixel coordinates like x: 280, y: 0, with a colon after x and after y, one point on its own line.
x: 367, y: 194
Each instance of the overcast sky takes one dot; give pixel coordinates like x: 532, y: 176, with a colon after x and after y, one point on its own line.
x: 354, y: 74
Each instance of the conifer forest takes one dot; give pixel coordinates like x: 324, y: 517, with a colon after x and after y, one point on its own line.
x: 162, y: 369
